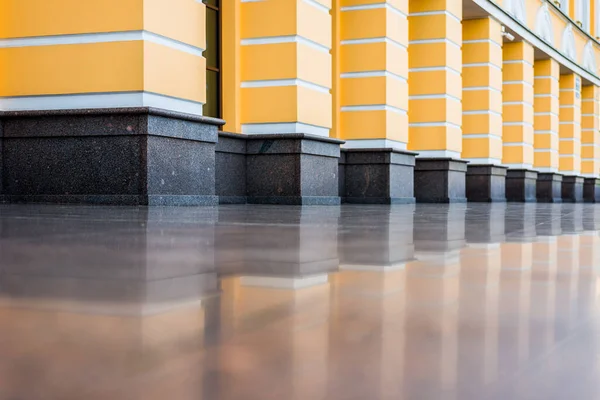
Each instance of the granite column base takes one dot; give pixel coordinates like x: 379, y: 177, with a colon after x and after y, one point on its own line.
x: 377, y: 176
x: 572, y: 189
x: 591, y: 190
x: 133, y: 156
x: 549, y: 187
x: 290, y: 168
x: 440, y: 180
x: 486, y: 183
x: 521, y: 185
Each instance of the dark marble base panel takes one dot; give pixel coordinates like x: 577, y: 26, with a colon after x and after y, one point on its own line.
x: 440, y: 180
x: 294, y: 169
x: 591, y: 190
x: 549, y: 187
x: 572, y: 189
x: 377, y: 176
x: 137, y: 156
x: 521, y: 185
x: 486, y: 183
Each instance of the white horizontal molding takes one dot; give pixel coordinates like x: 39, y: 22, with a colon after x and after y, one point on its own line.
x: 484, y: 160
x: 383, y: 4
x: 438, y: 154
x: 284, y: 82
x: 519, y: 123
x: 545, y: 113
x: 318, y: 6
x: 374, y: 107
x: 475, y: 41
x: 431, y: 69
x: 482, y: 64
x: 285, y: 127
x: 437, y: 12
x: 517, y: 62
x: 372, y: 74
x: 517, y: 103
x: 100, y: 100
x: 434, y: 96
x: 435, y: 41
x: 481, y: 88
x: 518, y: 166
x: 546, y: 170
x: 374, y: 144
x: 548, y: 132
x: 481, y: 136
x: 286, y: 39
x: 433, y: 124
x: 483, y: 112
x: 102, y: 37
x: 374, y: 40
x: 525, y: 83
x: 555, y: 78
x: 553, y: 151
x: 518, y: 144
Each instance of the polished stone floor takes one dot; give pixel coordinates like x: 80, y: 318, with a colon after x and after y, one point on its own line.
x: 410, y: 302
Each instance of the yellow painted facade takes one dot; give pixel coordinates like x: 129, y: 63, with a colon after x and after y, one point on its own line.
x: 514, y: 83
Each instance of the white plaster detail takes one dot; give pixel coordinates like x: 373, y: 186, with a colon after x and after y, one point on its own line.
x: 374, y: 144
x: 589, y: 58
x: 568, y: 43
x: 99, y: 100
x: 516, y: 8
x: 285, y: 127
x: 543, y: 24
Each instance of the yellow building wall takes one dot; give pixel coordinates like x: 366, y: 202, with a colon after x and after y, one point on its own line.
x: 435, y: 84
x: 546, y: 115
x: 482, y: 91
x: 590, y: 131
x: 570, y: 124
x: 117, y: 53
x: 517, y: 105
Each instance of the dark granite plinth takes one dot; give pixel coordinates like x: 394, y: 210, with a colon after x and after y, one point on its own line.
x: 572, y: 189
x: 549, y: 187
x: 378, y: 176
x: 139, y: 156
x: 292, y: 169
x: 440, y: 180
x: 231, y: 168
x: 521, y: 185
x: 486, y: 183
x: 591, y: 190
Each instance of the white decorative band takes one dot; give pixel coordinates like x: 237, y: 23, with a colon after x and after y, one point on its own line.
x: 574, y: 140
x: 432, y: 69
x: 434, y: 41
x: 383, y: 4
x: 518, y: 144
x: 546, y: 169
x: 483, y: 64
x: 440, y: 12
x: 589, y: 115
x: 318, y: 6
x: 375, y: 40
x: 517, y: 83
x: 553, y: 151
x: 374, y: 107
x: 374, y: 144
x: 518, y: 165
x: 575, y: 123
x: 546, y: 95
x: 546, y: 113
x: 434, y: 96
x: 473, y: 41
x: 546, y: 77
x: 517, y: 103
x: 286, y: 39
x: 433, y: 125
x: 104, y: 37
x: 546, y: 132
x: 100, y: 100
x: 483, y: 112
x: 285, y: 82
x: 478, y: 88
x: 517, y: 62
x: 568, y: 90
x: 483, y: 160
x: 285, y: 127
x: 517, y: 124
x: 372, y: 74
x: 438, y: 153
x: 481, y: 136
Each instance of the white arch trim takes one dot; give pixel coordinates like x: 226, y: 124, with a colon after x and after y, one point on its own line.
x: 568, y: 43
x: 543, y: 24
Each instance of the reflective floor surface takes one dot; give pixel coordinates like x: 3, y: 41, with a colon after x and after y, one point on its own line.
x: 277, y: 302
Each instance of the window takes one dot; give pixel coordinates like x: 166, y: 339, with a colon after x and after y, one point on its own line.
x: 582, y: 13
x: 212, y: 108
x: 564, y: 6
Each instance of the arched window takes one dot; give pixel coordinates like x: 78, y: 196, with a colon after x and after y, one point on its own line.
x: 212, y: 108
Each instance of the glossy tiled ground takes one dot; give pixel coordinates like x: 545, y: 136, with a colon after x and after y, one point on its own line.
x: 264, y: 302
